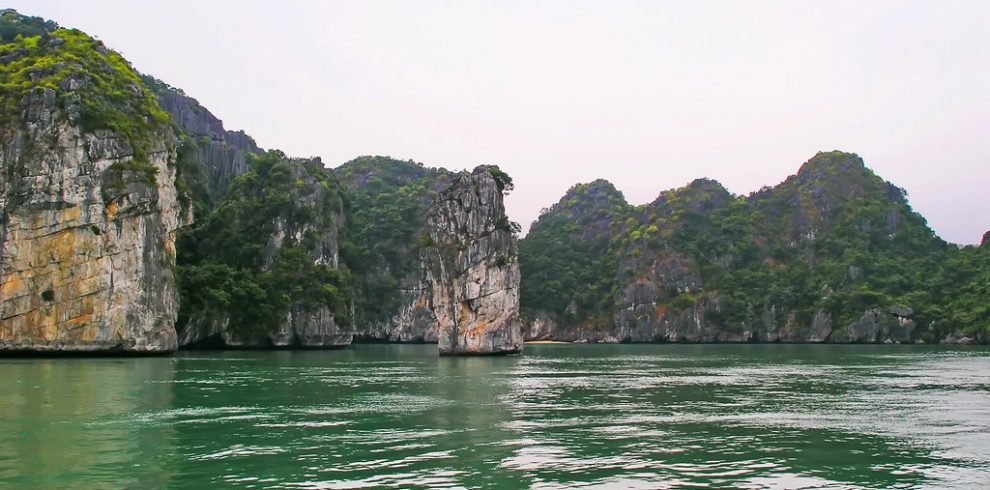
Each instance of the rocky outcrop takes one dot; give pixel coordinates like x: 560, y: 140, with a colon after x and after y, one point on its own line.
x: 445, y: 236
x: 436, y: 256
x: 878, y: 326
x: 211, y: 155
x: 472, y: 270
x: 303, y: 328
x: 87, y: 235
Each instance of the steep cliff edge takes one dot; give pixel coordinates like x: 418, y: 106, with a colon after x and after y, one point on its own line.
x: 90, y: 209
x: 471, y: 268
x: 434, y: 256
x: 833, y: 254
x: 210, y: 156
x: 263, y: 269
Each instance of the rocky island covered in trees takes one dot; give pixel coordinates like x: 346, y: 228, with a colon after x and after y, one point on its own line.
x: 133, y: 221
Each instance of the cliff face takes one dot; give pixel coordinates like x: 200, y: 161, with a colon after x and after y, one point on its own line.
x: 89, y: 205
x: 210, y: 157
x: 435, y: 256
x: 833, y: 254
x: 286, y: 215
x: 264, y: 269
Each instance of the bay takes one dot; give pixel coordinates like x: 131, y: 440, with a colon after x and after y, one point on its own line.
x: 558, y: 416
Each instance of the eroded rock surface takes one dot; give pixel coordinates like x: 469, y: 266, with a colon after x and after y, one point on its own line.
x: 213, y: 155
x: 472, y: 269
x: 435, y: 254
x: 87, y: 239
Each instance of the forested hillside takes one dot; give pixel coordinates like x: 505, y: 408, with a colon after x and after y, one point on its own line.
x: 832, y: 254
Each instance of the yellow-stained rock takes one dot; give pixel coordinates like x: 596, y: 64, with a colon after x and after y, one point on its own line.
x: 80, y: 260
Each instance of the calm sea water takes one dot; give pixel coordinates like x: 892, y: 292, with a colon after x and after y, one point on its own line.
x: 559, y: 416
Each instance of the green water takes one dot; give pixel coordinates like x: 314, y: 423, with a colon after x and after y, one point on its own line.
x: 559, y: 416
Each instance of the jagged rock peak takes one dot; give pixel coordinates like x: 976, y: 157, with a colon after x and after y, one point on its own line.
x: 210, y: 157
x: 829, y: 179
x: 196, y: 120
x: 708, y: 185
x: 986, y: 240
x: 594, y: 189
x: 700, y: 187
x: 587, y: 201
x: 375, y: 174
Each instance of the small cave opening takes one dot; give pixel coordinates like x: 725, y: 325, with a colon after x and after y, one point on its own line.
x: 96, y: 230
x: 48, y: 295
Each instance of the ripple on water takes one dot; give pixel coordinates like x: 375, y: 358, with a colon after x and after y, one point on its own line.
x: 239, y: 450
x: 567, y: 417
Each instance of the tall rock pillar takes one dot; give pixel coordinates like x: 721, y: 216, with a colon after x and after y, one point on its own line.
x: 472, y: 268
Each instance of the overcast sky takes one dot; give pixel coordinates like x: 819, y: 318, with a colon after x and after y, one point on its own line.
x: 648, y: 95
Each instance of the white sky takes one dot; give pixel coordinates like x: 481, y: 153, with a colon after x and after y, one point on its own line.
x: 648, y: 95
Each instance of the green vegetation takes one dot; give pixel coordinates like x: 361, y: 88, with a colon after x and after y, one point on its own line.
x: 144, y: 171
x: 190, y: 178
x: 95, y: 86
x: 964, y: 284
x: 502, y: 179
x: 227, y: 264
x: 835, y: 237
x: 569, y: 257
x: 14, y: 25
x: 386, y: 227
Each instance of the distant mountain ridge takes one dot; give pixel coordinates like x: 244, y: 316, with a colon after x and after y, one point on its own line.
x: 832, y: 254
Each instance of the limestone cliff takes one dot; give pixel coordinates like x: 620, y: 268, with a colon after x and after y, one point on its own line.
x: 210, y: 156
x: 435, y: 255
x: 89, y: 206
x: 471, y: 270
